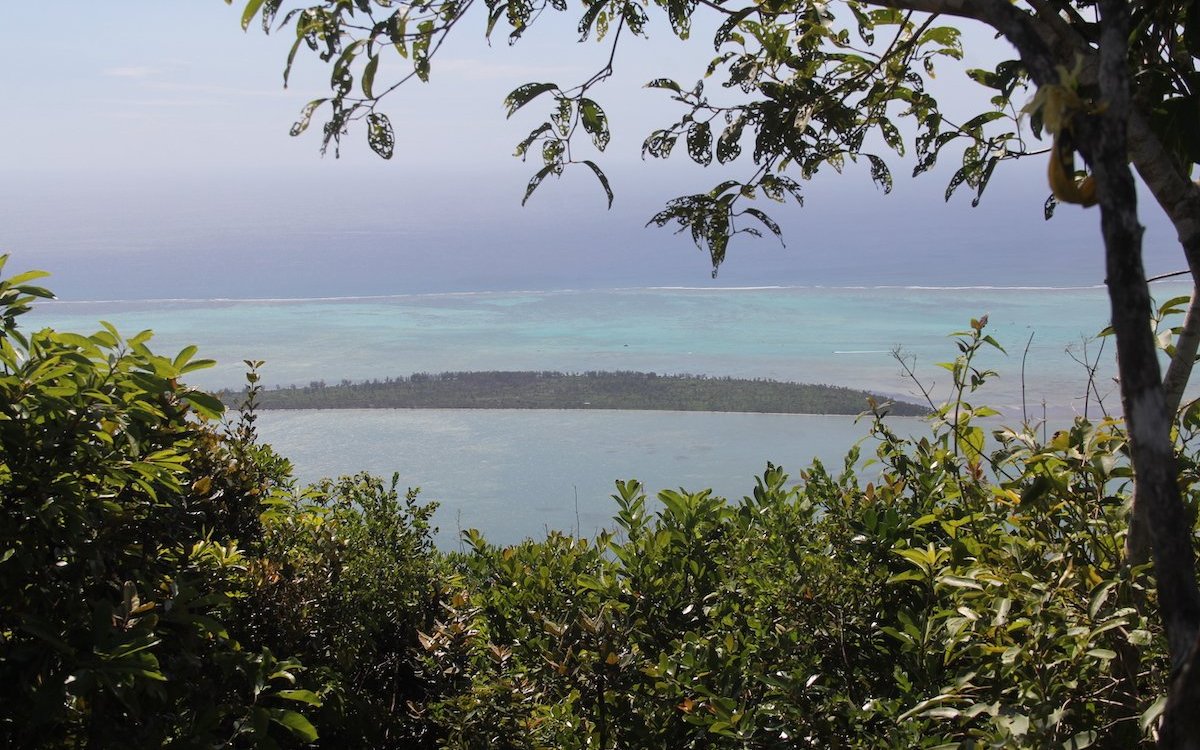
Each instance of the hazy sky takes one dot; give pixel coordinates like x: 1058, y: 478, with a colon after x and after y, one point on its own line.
x: 144, y: 153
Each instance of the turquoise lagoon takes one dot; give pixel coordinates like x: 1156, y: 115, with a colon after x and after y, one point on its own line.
x: 517, y: 473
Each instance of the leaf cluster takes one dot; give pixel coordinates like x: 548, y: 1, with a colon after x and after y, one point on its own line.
x: 802, y: 87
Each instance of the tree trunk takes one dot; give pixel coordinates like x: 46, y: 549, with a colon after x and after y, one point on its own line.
x: 1179, y: 197
x: 1105, y: 141
x: 1181, y: 721
x: 1137, y: 538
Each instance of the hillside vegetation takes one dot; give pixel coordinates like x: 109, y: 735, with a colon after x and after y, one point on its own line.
x: 165, y: 582
x: 589, y: 390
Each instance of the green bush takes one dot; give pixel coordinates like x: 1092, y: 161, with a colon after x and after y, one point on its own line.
x: 967, y: 596
x: 347, y: 577
x: 953, y: 591
x: 123, y: 508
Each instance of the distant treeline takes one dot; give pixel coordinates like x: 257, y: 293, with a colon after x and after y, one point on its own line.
x: 588, y: 390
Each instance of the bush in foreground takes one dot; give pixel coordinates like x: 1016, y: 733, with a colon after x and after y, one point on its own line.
x: 962, y: 598
x: 163, y: 582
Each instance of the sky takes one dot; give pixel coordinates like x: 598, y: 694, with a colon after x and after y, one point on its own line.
x: 144, y: 154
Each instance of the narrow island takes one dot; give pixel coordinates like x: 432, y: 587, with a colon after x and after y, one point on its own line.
x: 645, y: 391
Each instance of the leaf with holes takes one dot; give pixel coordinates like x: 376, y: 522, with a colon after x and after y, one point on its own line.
x: 380, y: 136
x: 767, y: 221
x: 522, y: 95
x: 728, y: 145
x: 880, y: 173
x: 602, y: 178
x: 306, y: 115
x: 595, y: 122
x: 537, y: 180
x: 699, y: 143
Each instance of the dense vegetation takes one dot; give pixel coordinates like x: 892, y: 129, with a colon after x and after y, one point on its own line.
x: 164, y: 582
x: 589, y: 390
x: 804, y: 86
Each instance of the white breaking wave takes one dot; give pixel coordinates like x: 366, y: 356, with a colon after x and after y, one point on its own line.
x: 569, y: 291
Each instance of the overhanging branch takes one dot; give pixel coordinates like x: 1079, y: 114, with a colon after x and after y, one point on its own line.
x: 1023, y: 31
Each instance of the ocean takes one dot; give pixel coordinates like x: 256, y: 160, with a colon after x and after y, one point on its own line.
x: 515, y: 474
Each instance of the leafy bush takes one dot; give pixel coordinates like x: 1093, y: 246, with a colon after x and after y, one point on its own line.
x: 119, y: 557
x: 953, y: 591
x: 347, y: 577
x: 966, y: 596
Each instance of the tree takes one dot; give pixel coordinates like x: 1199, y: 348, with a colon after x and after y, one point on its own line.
x: 811, y: 88
x: 122, y: 510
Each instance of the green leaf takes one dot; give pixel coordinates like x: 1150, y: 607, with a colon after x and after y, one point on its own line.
x: 248, y: 14
x: 303, y: 696
x: 368, y: 76
x: 205, y: 404
x: 1151, y: 714
x: 603, y: 180
x: 21, y: 278
x: 674, y: 503
x: 959, y: 582
x: 184, y: 355
x: 1098, y: 598
x: 295, y: 723
x: 1081, y: 740
x: 972, y: 441
x: 522, y: 95
x: 1174, y: 305
x: 197, y: 364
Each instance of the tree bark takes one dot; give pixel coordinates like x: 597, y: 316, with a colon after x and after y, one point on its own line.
x: 1106, y: 145
x: 1181, y: 721
x: 1180, y: 199
x: 1179, y: 371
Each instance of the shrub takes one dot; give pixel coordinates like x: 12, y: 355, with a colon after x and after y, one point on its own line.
x: 119, y: 551
x: 968, y: 595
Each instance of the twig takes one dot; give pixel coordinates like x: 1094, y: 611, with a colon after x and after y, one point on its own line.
x: 1024, y: 411
x: 1171, y: 275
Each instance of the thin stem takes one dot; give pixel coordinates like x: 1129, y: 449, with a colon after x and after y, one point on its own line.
x: 1024, y: 356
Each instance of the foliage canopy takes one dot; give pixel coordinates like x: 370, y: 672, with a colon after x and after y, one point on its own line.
x: 793, y: 88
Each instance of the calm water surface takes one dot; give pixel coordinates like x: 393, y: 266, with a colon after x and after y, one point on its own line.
x: 516, y: 473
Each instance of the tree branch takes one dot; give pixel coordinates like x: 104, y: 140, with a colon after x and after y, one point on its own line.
x: 1031, y: 37
x: 1186, y: 346
x: 1178, y: 196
